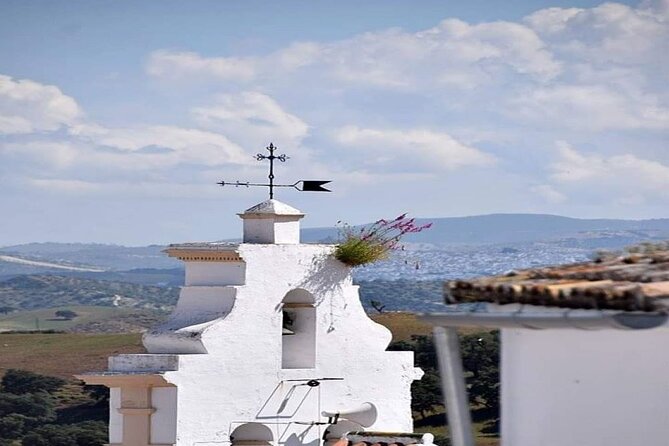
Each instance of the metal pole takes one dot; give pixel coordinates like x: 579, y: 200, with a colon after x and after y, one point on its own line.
x: 453, y: 386
x: 271, y: 170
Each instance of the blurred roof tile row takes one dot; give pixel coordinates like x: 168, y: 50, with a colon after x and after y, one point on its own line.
x: 637, y: 281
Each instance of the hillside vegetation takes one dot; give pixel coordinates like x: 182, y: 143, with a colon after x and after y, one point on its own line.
x: 38, y: 410
x: 86, y: 319
x: 45, y: 291
x: 30, y: 292
x: 112, y: 306
x: 66, y: 355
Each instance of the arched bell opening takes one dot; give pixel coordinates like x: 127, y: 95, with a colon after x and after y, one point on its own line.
x: 251, y: 434
x: 298, y: 340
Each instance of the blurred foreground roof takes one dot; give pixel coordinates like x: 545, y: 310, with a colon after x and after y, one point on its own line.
x: 635, y: 281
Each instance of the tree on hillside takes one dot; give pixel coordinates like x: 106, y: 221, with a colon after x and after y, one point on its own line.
x: 66, y: 314
x: 426, y: 393
x: 99, y: 394
x: 22, y: 381
x: 28, y: 414
x: 35, y: 407
x: 12, y: 426
x: 89, y: 433
x: 480, y: 359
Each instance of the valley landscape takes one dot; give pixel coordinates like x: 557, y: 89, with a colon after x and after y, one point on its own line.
x: 125, y: 289
x: 66, y: 307
x: 520, y: 135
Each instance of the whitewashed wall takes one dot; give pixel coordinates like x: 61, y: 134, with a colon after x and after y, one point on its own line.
x: 585, y: 388
x: 229, y: 346
x: 163, y: 420
x: 215, y: 273
x: 115, y: 418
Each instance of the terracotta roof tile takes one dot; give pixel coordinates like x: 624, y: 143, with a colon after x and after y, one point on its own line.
x: 633, y: 282
x: 369, y: 438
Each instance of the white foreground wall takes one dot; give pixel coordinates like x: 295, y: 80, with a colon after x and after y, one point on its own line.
x: 585, y: 388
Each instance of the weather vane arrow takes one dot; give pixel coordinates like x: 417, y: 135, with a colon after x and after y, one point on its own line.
x: 313, y: 186
x: 306, y: 185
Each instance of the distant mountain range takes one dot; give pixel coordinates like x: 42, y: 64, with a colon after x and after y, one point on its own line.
x: 114, y: 262
x: 518, y: 228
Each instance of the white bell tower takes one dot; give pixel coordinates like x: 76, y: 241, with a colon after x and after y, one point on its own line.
x: 272, y: 222
x: 267, y: 341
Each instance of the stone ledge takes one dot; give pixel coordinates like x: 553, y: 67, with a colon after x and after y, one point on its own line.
x: 136, y: 410
x: 111, y: 379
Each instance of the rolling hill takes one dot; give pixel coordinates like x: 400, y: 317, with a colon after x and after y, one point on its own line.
x: 29, y: 302
x: 89, y: 319
x: 77, y: 256
x: 121, y: 288
x: 33, y: 258
x: 31, y: 292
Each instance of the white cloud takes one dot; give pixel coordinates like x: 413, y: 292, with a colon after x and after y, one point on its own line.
x: 252, y: 118
x: 27, y: 106
x: 431, y: 151
x: 615, y: 69
x: 297, y: 55
x: 46, y: 154
x: 549, y: 193
x: 595, y: 75
x: 657, y: 7
x: 596, y: 69
x: 163, y: 63
x: 551, y: 20
x: 619, y: 178
x: 589, y: 107
x: 170, y: 145
x: 608, y: 33
x: 158, y: 189
x: 131, y: 149
x: 76, y: 187
x: 90, y: 158
x: 451, y: 53
x: 15, y: 125
x: 502, y: 43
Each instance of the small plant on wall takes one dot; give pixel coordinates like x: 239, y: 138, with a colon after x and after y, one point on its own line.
x: 369, y: 244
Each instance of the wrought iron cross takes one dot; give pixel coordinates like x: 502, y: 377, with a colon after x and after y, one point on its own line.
x: 271, y: 158
x: 307, y: 185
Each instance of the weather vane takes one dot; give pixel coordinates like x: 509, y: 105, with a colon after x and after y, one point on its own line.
x: 306, y: 185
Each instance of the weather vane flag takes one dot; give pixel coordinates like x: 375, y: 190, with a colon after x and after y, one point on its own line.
x: 301, y: 185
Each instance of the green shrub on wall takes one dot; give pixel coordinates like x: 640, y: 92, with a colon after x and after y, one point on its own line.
x: 369, y: 244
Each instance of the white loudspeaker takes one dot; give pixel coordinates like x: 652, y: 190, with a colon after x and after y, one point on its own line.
x: 336, y: 432
x: 364, y: 415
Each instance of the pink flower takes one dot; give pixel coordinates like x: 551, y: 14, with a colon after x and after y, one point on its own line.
x: 383, y: 235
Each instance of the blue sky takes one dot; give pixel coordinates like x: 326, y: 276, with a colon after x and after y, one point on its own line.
x: 117, y: 118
